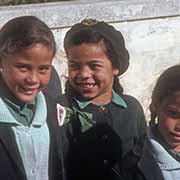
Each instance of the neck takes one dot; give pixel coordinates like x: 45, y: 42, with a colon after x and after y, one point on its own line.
x: 103, y: 99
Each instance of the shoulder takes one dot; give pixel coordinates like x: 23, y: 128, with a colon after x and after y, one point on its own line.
x: 55, y: 130
x: 50, y: 102
x: 64, y: 100
x: 52, y: 121
x: 132, y: 103
x: 134, y: 114
x: 130, y: 100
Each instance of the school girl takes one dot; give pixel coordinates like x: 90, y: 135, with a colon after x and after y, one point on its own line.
x: 28, y: 145
x: 105, y: 122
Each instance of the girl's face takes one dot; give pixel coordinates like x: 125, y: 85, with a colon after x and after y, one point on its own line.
x: 169, y: 121
x: 28, y: 71
x: 90, y: 72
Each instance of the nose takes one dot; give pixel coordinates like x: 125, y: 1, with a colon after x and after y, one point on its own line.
x: 84, y: 73
x: 32, y: 77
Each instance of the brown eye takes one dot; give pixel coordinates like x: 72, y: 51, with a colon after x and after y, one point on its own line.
x: 74, y: 66
x: 174, y: 114
x: 22, y: 68
x: 94, y: 66
x: 44, y: 69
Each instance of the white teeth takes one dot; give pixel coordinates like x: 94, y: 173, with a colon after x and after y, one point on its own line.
x: 86, y: 85
x: 28, y: 91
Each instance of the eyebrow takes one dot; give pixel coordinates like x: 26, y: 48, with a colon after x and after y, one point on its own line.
x: 96, y: 61
x: 91, y: 61
x: 173, y: 107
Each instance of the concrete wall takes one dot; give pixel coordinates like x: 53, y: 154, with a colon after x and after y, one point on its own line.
x: 151, y: 29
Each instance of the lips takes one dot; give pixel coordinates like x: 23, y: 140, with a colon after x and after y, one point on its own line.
x: 28, y: 91
x: 176, y: 136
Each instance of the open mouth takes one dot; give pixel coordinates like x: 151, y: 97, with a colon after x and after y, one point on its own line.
x: 86, y: 85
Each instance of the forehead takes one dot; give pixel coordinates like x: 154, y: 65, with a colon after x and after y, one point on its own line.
x: 87, y: 51
x: 173, y: 100
x: 35, y: 52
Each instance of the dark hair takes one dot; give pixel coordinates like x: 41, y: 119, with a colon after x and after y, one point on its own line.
x: 92, y: 31
x: 22, y: 32
x: 167, y: 84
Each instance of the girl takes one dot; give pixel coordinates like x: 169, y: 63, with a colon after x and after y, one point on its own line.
x: 160, y: 156
x: 28, y: 148
x: 105, y: 122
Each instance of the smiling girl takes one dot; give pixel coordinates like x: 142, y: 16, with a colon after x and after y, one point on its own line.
x: 106, y: 122
x: 28, y: 148
x: 159, y: 158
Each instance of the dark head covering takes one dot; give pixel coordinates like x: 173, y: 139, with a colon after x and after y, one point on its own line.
x: 109, y: 33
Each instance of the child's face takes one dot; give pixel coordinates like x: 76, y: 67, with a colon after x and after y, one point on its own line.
x: 169, y: 121
x: 90, y: 72
x: 28, y: 71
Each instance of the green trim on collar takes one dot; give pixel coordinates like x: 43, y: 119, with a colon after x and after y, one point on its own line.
x: 5, y: 115
x: 116, y: 99
x: 17, y: 107
x: 39, y: 118
x: 82, y: 104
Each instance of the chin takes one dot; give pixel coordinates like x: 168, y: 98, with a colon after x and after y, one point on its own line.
x: 177, y: 148
x: 174, y: 145
x: 87, y: 97
x: 26, y: 99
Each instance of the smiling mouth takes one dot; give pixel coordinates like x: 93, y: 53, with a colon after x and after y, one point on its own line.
x: 86, y: 85
x: 176, y: 136
x: 28, y: 91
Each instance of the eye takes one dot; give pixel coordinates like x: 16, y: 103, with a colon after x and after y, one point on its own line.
x: 22, y: 67
x: 173, y: 113
x: 44, y: 69
x: 95, y: 66
x: 73, y: 66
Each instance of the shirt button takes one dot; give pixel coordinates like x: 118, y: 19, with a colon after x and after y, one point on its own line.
x: 102, y: 108
x: 105, y: 137
x: 106, y: 162
x: 28, y: 132
x: 33, y: 171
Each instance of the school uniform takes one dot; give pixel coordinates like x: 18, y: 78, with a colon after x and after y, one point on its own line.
x: 28, y: 146
x: 152, y: 160
x: 100, y: 135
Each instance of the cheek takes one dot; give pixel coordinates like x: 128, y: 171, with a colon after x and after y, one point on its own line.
x: 45, y: 79
x: 101, y: 77
x: 167, y: 124
x: 72, y: 75
x: 12, y: 77
x: 106, y: 77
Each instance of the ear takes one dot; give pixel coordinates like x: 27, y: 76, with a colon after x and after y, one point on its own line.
x: 115, y: 71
